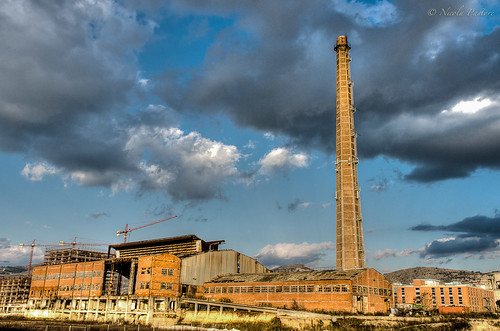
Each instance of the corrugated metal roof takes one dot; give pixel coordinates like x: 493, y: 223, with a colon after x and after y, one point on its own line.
x: 288, y: 276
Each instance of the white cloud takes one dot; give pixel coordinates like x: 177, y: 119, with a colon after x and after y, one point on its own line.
x: 282, y: 159
x: 288, y: 253
x: 383, y: 254
x: 16, y: 255
x: 36, y: 171
x: 188, y: 166
x: 469, y: 106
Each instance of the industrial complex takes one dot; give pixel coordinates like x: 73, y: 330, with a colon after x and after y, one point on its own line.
x: 138, y: 281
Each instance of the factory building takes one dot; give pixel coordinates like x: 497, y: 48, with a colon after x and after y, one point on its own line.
x: 453, y: 297
x: 142, y: 276
x: 352, y: 291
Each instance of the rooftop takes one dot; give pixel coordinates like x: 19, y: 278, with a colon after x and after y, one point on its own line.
x: 288, y: 276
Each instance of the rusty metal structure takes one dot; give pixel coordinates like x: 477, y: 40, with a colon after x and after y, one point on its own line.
x: 350, y: 247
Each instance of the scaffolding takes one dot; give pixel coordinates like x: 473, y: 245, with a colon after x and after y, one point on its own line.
x: 72, y: 255
x: 14, y: 293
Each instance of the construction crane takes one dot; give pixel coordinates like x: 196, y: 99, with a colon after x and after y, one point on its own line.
x: 127, y: 230
x: 33, y: 245
x: 73, y: 244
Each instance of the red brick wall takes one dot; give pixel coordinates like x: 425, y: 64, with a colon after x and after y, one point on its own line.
x: 68, y: 280
x: 158, y: 275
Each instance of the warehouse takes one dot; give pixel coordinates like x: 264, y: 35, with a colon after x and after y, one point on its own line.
x: 360, y: 290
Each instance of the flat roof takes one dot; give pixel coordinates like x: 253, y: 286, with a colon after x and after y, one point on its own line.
x: 189, y: 237
x: 288, y: 276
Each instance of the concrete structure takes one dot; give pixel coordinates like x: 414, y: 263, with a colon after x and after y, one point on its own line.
x: 450, y: 297
x: 14, y: 291
x: 179, y: 246
x: 71, y: 255
x: 350, y: 247
x: 496, y: 289
x: 361, y: 290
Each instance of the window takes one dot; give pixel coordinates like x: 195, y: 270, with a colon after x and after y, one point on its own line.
x: 218, y: 289
x: 257, y: 289
x: 212, y: 290
x: 302, y: 288
x: 310, y: 288
x: 243, y: 289
x: 224, y: 289
x: 286, y: 289
x: 163, y: 286
x: 319, y: 288
x: 250, y: 289
x: 236, y: 290
x: 164, y: 271
x: 279, y: 289
x: 327, y: 288
x: 294, y: 288
x: 272, y: 289
x: 263, y: 289
x: 230, y: 290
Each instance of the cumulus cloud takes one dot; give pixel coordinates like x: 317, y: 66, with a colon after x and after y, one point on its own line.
x: 282, y: 160
x: 15, y: 255
x: 290, y: 253
x: 386, y: 253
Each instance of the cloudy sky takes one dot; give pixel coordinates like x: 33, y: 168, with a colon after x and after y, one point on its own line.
x: 222, y: 112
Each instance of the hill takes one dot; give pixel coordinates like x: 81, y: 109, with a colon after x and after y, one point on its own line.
x: 406, y: 276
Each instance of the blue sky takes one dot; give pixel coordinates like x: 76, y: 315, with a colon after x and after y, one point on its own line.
x: 222, y: 112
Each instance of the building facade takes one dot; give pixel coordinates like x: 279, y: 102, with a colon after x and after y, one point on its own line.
x: 353, y: 291
x: 450, y: 297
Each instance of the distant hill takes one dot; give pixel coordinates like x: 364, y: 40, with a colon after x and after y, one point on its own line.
x: 13, y: 270
x: 291, y: 268
x: 406, y: 276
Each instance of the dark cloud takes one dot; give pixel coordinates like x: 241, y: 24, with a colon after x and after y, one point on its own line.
x: 407, y: 67
x: 99, y: 215
x: 471, y: 226
x: 453, y: 246
x: 476, y: 234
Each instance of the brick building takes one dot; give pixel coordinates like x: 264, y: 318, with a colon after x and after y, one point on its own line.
x: 361, y: 290
x: 143, y: 276
x: 449, y: 297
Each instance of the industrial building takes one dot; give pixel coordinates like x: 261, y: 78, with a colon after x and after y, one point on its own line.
x: 453, y: 297
x: 352, y: 291
x: 140, y: 278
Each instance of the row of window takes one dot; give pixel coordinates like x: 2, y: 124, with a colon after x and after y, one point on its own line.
x: 278, y: 289
x: 69, y: 275
x: 80, y: 287
x: 164, y: 271
x: 163, y: 286
x: 371, y: 290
